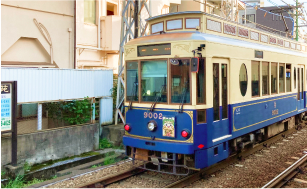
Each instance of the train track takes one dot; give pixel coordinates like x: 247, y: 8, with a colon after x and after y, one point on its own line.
x: 104, y: 181
x: 288, y: 174
x: 186, y: 180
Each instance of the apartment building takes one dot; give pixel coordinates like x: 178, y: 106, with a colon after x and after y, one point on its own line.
x: 37, y: 34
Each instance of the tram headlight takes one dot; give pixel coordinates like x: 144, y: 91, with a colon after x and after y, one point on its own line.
x: 152, y: 125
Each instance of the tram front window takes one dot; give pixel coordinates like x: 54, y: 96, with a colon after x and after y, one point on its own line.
x: 180, y: 80
x: 154, y: 81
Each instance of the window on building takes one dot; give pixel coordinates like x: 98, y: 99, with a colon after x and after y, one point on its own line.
x: 255, y: 78
x: 154, y: 80
x: 288, y: 77
x: 180, y: 82
x: 281, y: 78
x: 243, y: 79
x: 250, y: 18
x: 111, y: 9
x: 90, y: 11
x: 201, y: 82
x: 132, y: 81
x: 273, y: 78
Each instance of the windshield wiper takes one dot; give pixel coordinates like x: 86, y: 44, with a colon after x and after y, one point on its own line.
x: 157, y: 97
x: 182, y: 97
x: 163, y: 87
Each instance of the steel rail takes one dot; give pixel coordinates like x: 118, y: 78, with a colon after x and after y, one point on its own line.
x: 223, y: 164
x: 104, y: 181
x: 287, y: 174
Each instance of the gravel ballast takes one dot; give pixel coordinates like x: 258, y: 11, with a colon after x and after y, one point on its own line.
x: 258, y: 169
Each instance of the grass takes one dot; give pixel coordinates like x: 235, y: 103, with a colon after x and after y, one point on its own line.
x: 27, y: 167
x: 19, y: 182
x: 3, y: 173
x: 105, y: 143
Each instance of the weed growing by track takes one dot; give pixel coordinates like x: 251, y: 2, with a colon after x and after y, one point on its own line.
x: 19, y: 182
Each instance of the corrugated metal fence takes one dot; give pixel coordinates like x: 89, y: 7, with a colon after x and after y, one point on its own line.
x: 40, y: 85
x: 43, y: 85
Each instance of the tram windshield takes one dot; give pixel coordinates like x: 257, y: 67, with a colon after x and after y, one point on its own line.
x: 154, y: 80
x: 180, y: 80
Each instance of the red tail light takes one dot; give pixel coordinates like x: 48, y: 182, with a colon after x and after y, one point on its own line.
x: 127, y: 127
x: 185, y: 133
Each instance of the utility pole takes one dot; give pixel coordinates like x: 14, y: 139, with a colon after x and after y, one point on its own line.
x: 131, y: 28
x: 296, y: 20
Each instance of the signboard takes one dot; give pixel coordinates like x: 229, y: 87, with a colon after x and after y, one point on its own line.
x: 8, y: 114
x: 6, y: 107
x: 168, y: 129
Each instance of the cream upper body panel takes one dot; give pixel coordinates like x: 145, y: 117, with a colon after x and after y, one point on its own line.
x: 219, y: 48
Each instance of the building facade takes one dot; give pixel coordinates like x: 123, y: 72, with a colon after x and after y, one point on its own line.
x: 37, y: 34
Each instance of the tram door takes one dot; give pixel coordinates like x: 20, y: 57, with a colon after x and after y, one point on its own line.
x: 220, y: 98
x: 300, y: 87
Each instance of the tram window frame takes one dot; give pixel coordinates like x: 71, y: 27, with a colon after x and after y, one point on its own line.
x: 126, y: 80
x: 192, y: 18
x: 204, y: 112
x: 170, y: 83
x: 268, y: 78
x: 290, y: 78
x: 224, y: 92
x: 217, y: 88
x: 204, y: 82
x: 276, y: 90
x: 258, y: 73
x: 281, y: 65
x: 245, y: 80
x: 294, y: 77
x: 140, y: 81
x: 175, y: 19
x: 155, y: 24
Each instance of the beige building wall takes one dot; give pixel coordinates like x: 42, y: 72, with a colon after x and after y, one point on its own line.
x: 22, y: 42
x: 98, y: 38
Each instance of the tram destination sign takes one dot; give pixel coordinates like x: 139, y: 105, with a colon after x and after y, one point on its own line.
x: 6, y: 106
x: 153, y: 50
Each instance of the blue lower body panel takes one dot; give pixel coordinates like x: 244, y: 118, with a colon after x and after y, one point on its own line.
x: 171, y: 147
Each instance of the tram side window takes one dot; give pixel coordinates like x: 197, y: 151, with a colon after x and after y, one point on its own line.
x: 216, y: 95
x: 265, y: 78
x: 243, y: 79
x: 295, y: 77
x: 180, y: 82
x: 281, y: 78
x: 154, y: 81
x: 132, y: 81
x: 224, y: 92
x: 255, y: 78
x: 273, y: 78
x: 288, y: 77
x: 201, y: 82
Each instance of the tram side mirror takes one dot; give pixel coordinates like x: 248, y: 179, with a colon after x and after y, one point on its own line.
x: 194, y: 64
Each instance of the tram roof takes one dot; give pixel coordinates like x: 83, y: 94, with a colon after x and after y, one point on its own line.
x: 174, y: 13
x: 198, y: 36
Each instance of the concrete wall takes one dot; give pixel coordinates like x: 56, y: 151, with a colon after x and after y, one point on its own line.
x: 21, y: 41
x: 52, y: 144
